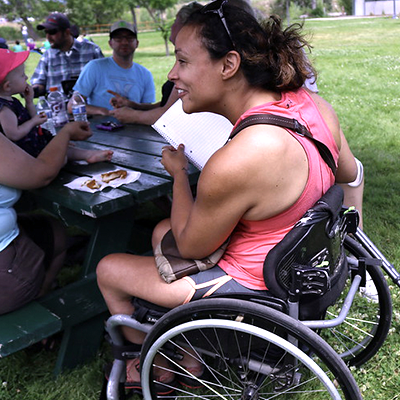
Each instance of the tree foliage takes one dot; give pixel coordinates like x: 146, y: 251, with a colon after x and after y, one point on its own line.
x: 88, y: 12
x: 157, y: 11
x: 92, y: 12
x: 24, y: 9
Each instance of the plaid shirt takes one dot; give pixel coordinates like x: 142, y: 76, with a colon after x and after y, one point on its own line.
x: 56, y: 66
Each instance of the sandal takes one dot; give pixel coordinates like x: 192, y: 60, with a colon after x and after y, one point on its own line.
x: 200, y: 374
x: 163, y: 388
x: 196, y: 372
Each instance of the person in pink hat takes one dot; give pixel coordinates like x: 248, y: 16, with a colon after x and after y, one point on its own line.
x: 22, y: 124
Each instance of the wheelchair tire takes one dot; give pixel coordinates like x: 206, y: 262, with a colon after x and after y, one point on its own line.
x: 365, y: 329
x: 247, y: 351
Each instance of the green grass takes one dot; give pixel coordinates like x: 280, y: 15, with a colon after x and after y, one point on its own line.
x: 359, y: 73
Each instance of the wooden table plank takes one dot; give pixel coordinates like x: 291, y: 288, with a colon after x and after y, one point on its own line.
x: 135, y: 130
x: 110, y: 218
x: 137, y: 161
x: 126, y: 142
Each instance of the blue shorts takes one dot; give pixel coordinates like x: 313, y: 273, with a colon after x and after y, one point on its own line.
x: 215, y: 281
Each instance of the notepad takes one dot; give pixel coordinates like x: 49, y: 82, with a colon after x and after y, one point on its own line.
x: 201, y: 133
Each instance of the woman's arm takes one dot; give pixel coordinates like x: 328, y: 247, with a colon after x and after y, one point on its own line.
x: 20, y: 170
x: 257, y: 175
x: 347, y: 168
x: 119, y: 101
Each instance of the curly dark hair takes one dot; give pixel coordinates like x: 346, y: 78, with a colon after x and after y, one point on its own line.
x: 272, y: 58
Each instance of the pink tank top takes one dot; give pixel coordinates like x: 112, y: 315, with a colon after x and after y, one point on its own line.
x: 252, y: 240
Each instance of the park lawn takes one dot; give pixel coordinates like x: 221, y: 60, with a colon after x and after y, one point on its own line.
x: 358, y: 61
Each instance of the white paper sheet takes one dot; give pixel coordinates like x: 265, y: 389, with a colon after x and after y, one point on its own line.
x: 78, y: 184
x: 201, y: 133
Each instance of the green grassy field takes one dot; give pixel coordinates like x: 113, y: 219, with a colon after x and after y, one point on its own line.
x: 359, y: 73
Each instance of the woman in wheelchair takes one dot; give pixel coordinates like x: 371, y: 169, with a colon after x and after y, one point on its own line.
x: 255, y: 188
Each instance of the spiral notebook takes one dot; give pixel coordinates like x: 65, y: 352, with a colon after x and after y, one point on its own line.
x: 201, y: 133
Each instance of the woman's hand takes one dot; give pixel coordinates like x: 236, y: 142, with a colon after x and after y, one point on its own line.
x: 174, y: 161
x: 78, y: 130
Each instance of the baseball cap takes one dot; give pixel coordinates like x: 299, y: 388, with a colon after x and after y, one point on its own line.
x: 122, y: 25
x: 55, y: 21
x: 10, y: 60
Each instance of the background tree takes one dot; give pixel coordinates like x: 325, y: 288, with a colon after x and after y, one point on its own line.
x: 92, y: 12
x: 24, y: 9
x: 157, y: 10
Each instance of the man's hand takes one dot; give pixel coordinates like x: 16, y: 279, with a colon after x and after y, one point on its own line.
x: 118, y: 101
x: 126, y: 115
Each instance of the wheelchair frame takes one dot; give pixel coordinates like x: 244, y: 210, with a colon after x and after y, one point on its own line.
x: 368, y: 258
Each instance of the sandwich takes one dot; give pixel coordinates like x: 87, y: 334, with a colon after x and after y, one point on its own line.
x: 110, y: 176
x: 92, y: 184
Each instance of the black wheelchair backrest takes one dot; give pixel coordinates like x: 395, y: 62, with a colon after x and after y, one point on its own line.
x: 313, y: 251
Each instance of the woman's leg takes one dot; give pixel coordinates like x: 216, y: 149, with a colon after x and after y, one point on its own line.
x: 123, y: 276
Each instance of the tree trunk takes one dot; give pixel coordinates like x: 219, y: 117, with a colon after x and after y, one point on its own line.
x: 133, y: 12
x: 166, y: 47
x: 31, y: 30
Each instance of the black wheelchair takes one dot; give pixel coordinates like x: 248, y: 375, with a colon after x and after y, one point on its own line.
x: 328, y: 308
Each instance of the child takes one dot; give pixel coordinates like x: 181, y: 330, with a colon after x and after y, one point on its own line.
x: 21, y: 124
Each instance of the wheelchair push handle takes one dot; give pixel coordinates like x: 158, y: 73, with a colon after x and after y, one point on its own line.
x: 375, y: 252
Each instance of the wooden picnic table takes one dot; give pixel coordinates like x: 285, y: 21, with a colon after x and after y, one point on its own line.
x: 111, y: 218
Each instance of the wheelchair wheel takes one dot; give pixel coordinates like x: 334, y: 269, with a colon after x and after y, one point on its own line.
x: 245, y: 351
x: 368, y: 322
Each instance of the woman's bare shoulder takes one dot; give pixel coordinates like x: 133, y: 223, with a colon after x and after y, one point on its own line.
x: 262, y: 163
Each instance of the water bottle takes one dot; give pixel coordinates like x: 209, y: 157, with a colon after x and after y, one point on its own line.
x: 56, y: 100
x: 44, y: 107
x: 78, y: 106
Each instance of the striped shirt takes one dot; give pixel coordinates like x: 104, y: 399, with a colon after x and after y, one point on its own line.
x: 56, y: 66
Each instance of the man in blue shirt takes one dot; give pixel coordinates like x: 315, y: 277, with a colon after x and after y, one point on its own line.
x: 118, y: 73
x: 66, y: 57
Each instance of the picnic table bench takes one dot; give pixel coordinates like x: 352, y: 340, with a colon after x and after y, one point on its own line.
x: 111, y: 218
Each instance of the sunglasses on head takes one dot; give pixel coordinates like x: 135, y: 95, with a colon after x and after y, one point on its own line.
x: 216, y: 7
x: 51, y: 31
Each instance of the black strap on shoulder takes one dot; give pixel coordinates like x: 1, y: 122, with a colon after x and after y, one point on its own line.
x: 293, y: 125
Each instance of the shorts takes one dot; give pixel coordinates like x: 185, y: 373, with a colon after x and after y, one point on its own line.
x: 24, y: 261
x: 215, y: 281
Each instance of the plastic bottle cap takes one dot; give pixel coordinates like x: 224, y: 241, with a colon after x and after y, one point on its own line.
x: 53, y: 89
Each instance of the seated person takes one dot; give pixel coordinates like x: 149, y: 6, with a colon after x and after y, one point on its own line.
x: 32, y: 248
x: 31, y: 45
x: 147, y: 114
x: 22, y: 125
x: 256, y: 187
x: 117, y: 73
x: 64, y: 59
x: 17, y: 47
